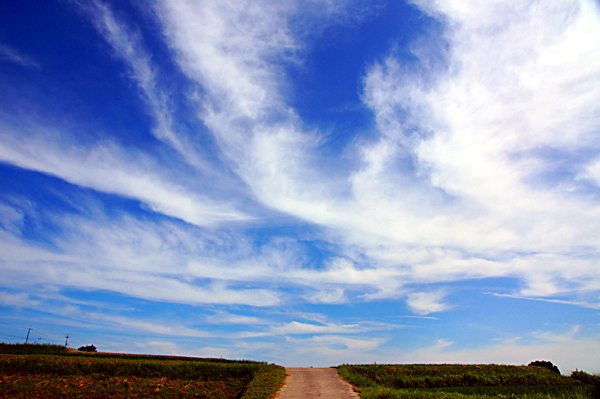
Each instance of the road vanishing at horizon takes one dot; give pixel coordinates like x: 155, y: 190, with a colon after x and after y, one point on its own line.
x: 308, y: 383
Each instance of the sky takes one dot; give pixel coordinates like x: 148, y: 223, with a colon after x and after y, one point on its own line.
x: 303, y: 182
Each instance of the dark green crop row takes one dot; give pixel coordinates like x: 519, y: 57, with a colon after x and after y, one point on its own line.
x: 467, y: 382
x: 58, y: 350
x: 438, y: 376
x: 510, y: 392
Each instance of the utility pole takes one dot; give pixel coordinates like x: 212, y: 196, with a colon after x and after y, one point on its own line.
x: 67, y: 340
x: 28, y: 331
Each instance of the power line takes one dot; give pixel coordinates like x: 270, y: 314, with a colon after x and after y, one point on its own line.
x: 34, y: 334
x: 28, y: 331
x: 20, y: 327
x: 47, y: 336
x: 40, y: 333
x: 9, y: 336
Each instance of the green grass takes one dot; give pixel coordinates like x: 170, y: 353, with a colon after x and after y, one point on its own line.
x: 586, y: 378
x: 58, y: 373
x: 464, y: 382
x: 266, y: 382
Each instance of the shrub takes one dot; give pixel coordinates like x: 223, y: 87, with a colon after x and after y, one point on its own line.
x: 89, y: 348
x: 586, y: 378
x: 545, y: 364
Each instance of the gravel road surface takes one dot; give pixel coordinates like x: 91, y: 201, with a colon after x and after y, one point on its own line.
x: 309, y: 383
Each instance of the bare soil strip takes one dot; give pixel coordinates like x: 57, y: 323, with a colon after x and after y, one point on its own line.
x: 309, y: 383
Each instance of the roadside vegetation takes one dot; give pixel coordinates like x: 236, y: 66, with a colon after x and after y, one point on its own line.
x: 49, y: 371
x: 467, y: 382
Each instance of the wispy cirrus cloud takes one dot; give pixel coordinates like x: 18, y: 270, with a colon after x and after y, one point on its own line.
x: 14, y: 56
x: 125, y: 256
x: 574, y: 303
x: 297, y: 328
x: 112, y: 169
x: 445, y: 162
x: 31, y: 141
x: 477, y: 170
x: 128, y: 47
x: 488, y: 132
x: 447, y: 191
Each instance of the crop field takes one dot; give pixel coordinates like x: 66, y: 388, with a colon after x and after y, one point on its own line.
x: 73, y: 375
x: 466, y: 382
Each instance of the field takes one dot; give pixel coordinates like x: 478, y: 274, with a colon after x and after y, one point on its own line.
x: 48, y: 371
x: 51, y: 372
x: 466, y: 382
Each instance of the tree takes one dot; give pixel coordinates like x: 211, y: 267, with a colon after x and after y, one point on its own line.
x: 89, y: 348
x: 545, y: 364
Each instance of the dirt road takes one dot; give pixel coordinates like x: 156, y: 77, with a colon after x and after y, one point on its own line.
x: 309, y: 383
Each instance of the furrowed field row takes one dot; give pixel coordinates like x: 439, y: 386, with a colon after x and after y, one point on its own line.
x: 76, y: 386
x: 60, y: 365
x: 468, y: 382
x: 52, y: 371
x: 521, y: 392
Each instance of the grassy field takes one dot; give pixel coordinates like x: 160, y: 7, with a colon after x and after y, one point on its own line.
x: 46, y: 371
x: 466, y: 382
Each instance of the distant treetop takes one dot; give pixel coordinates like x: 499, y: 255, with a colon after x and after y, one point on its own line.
x: 89, y: 348
x: 545, y: 364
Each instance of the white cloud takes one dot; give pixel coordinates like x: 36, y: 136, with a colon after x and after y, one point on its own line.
x: 215, y: 353
x: 154, y: 327
x: 568, y: 352
x: 294, y: 328
x: 229, y: 318
x: 128, y: 47
x: 424, y: 303
x: 326, y: 295
x: 17, y: 300
x: 472, y: 129
x: 592, y: 172
x: 127, y: 257
x: 235, y: 51
x: 456, y: 186
x: 227, y: 46
x: 331, y: 350
x: 10, y: 54
x: 476, y: 132
x: 109, y: 168
x: 557, y: 338
x: 582, y: 304
x: 161, y: 348
x: 11, y: 219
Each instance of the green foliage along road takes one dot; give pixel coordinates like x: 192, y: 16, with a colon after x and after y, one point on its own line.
x: 462, y: 382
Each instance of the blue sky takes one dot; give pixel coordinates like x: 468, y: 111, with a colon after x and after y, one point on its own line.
x: 303, y: 182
